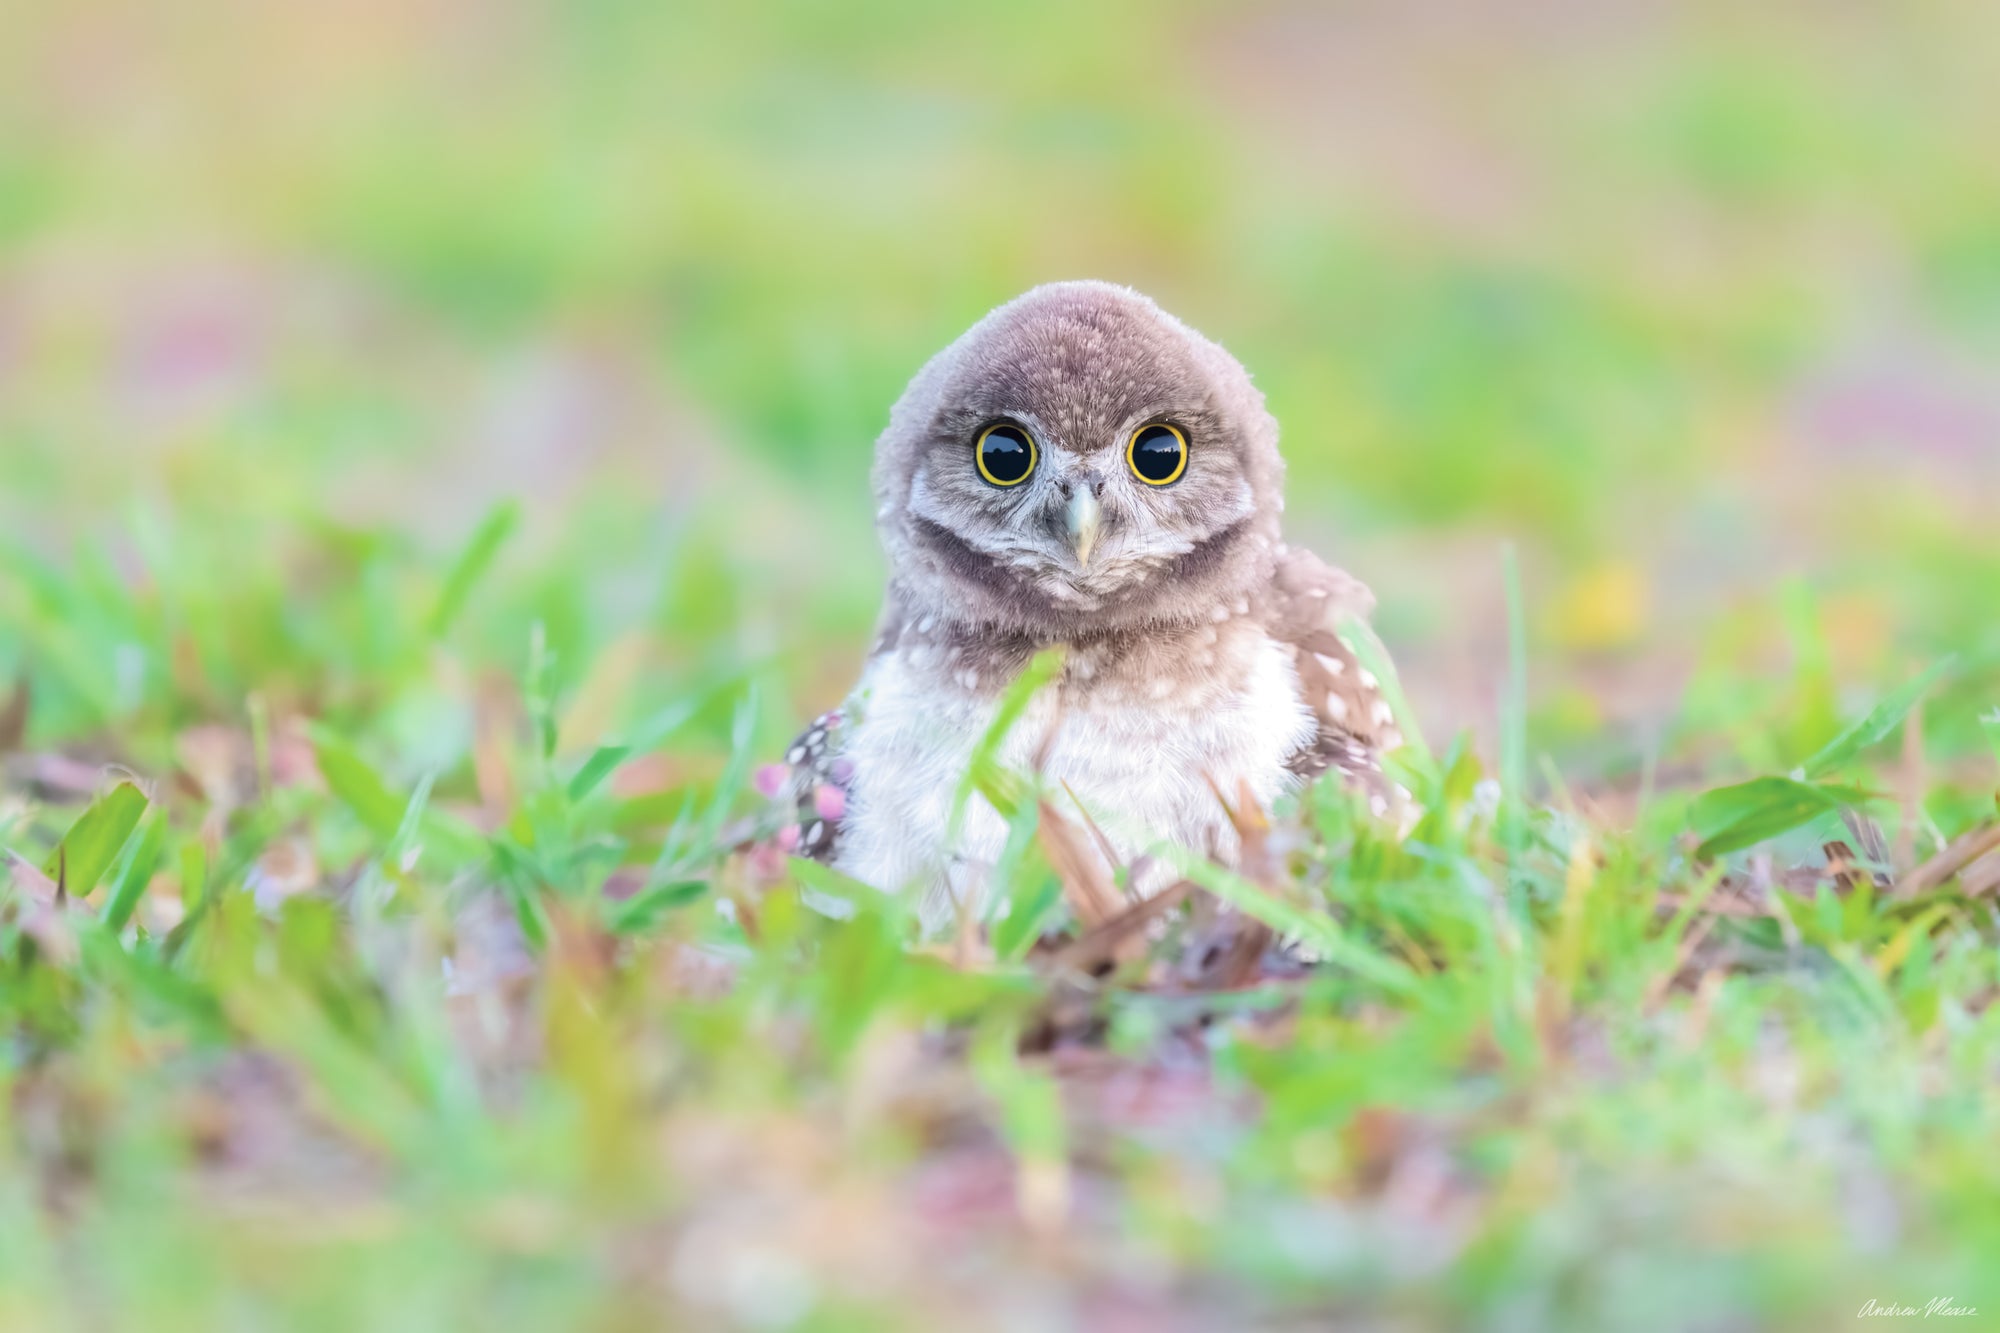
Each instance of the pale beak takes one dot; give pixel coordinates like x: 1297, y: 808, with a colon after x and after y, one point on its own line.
x: 1086, y: 525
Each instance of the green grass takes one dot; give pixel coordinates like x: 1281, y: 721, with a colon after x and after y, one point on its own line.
x: 433, y: 475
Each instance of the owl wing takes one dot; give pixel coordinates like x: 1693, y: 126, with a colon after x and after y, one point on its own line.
x: 810, y: 787
x: 814, y: 786
x: 1309, y: 601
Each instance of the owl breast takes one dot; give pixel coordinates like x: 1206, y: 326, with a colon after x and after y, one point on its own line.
x: 1144, y: 758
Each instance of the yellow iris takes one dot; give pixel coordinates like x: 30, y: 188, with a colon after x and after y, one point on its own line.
x: 1157, y: 454
x: 1005, y: 453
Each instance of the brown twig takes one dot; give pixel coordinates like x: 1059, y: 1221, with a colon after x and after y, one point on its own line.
x: 1110, y: 940
x: 1912, y: 781
x: 14, y: 718
x: 1085, y: 881
x: 1960, y: 853
x: 1097, y: 834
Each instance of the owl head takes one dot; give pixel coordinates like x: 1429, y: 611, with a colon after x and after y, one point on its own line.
x: 1079, y: 460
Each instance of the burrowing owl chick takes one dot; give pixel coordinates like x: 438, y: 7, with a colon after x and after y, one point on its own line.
x: 1082, y: 471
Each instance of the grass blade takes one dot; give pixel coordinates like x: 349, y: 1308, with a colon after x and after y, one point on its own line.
x: 358, y: 786
x: 137, y: 874
x: 472, y: 564
x: 94, y: 841
x: 1875, y: 728
x: 984, y: 772
x: 595, y: 769
x: 1729, y: 819
x: 1316, y: 930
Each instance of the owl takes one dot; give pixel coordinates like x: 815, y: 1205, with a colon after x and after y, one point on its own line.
x: 1081, y: 471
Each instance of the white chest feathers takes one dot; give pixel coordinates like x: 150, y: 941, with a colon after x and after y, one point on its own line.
x: 1147, y: 770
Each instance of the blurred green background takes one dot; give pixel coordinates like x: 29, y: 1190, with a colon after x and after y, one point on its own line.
x: 1689, y: 302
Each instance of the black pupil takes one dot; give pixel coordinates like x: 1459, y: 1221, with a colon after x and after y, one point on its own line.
x: 1156, y: 455
x: 1006, y: 454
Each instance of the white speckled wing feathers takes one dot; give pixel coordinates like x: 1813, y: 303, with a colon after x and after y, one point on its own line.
x: 1309, y: 603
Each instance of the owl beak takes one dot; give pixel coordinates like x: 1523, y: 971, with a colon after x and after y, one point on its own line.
x: 1086, y: 525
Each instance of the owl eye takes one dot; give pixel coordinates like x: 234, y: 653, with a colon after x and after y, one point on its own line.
x: 1158, y: 454
x: 1005, y: 453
